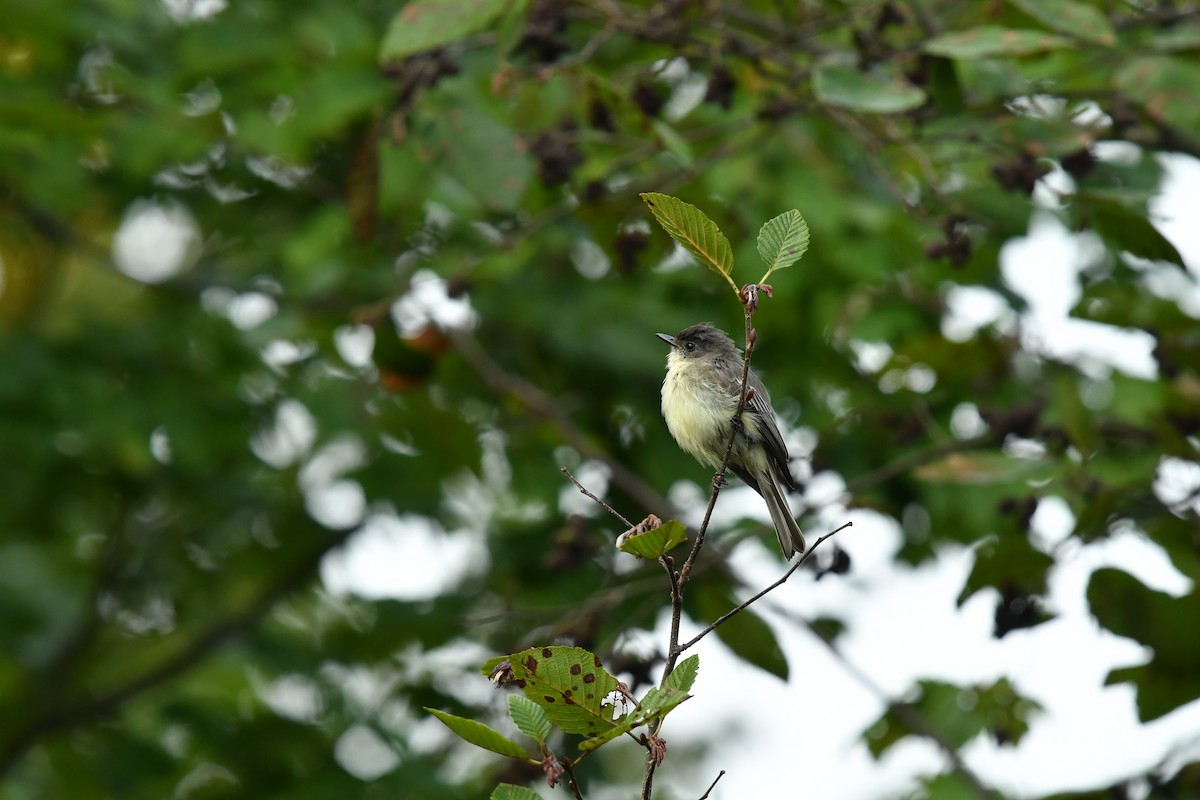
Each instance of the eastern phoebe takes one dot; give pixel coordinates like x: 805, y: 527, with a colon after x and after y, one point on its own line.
x: 699, y: 399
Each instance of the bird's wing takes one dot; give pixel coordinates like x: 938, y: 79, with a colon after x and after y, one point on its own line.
x: 760, y: 405
x: 773, y: 442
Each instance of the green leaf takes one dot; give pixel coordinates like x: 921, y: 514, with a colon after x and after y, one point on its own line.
x: 473, y: 148
x: 698, y: 234
x: 846, y: 87
x: 567, y: 682
x: 948, y: 786
x: 1009, y: 562
x: 1068, y: 408
x: 989, y: 41
x: 783, y: 241
x: 1127, y: 230
x: 1072, y: 18
x: 481, y: 735
x: 684, y: 674
x: 508, y: 791
x: 425, y: 24
x: 1182, y: 37
x: 657, y: 703
x: 1165, y: 87
x: 1166, y: 624
x: 654, y: 542
x: 673, y: 142
x: 958, y: 714
x: 568, y: 685
x: 529, y: 717
x: 944, y: 87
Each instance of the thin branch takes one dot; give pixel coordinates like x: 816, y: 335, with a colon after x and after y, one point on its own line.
x: 712, y: 785
x: 605, y: 505
x: 738, y: 609
x: 685, y: 572
x: 916, y: 459
x: 571, y: 780
x: 542, y: 407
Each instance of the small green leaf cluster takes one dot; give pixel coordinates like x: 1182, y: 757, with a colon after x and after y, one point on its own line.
x: 568, y: 689
x: 782, y: 241
x: 653, y: 542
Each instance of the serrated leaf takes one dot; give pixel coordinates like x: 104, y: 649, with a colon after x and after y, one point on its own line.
x: 655, y: 542
x: 692, y: 228
x: 567, y: 682
x: 657, y: 703
x: 529, y: 717
x: 480, y: 735
x: 846, y: 87
x: 509, y: 791
x: 425, y: 24
x: 989, y: 41
x: 1165, y: 86
x: 1072, y: 18
x: 684, y: 674
x: 1128, y: 230
x: 783, y: 240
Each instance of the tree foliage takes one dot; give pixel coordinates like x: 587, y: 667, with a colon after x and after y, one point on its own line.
x: 207, y: 209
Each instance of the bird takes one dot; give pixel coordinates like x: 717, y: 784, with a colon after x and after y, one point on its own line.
x: 700, y: 396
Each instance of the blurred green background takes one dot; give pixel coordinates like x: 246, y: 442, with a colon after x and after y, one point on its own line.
x: 268, y: 269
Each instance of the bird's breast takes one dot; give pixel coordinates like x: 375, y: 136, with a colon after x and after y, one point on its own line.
x: 697, y: 412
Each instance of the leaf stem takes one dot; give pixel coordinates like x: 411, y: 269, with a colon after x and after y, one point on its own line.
x: 685, y: 572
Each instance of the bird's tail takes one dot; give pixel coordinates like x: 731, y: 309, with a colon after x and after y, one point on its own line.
x: 791, y: 540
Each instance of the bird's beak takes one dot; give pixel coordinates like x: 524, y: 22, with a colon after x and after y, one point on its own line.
x: 668, y: 339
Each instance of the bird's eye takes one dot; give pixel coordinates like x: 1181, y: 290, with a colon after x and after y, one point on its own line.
x: 690, y: 346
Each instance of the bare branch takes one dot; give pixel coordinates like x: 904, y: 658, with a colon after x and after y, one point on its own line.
x: 606, y: 506
x: 542, y: 407
x: 712, y: 785
x: 571, y: 780
x: 738, y: 609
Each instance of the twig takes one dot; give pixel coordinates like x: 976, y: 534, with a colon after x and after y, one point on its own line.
x: 915, y: 459
x: 571, y: 781
x: 685, y: 572
x: 712, y: 785
x: 542, y: 407
x: 606, y: 506
x: 738, y: 609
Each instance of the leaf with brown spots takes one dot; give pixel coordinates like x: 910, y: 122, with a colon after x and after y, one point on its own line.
x: 568, y: 683
x: 657, y: 703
